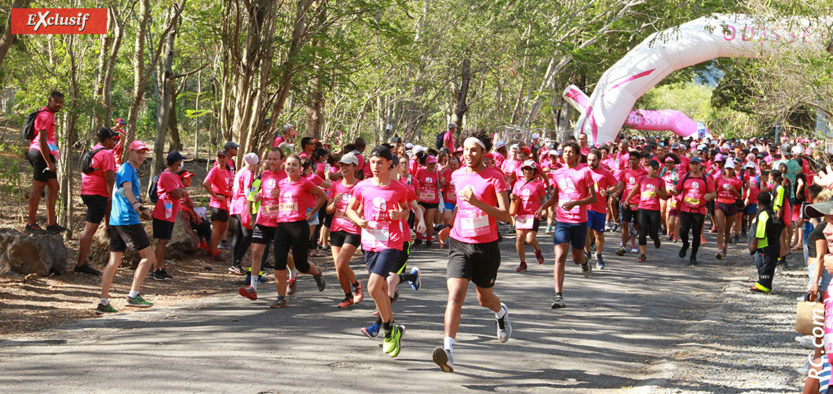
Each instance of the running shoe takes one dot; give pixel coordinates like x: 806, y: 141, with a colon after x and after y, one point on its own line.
x: 417, y: 242
x: 320, y: 282
x: 217, y: 256
x: 444, y: 358
x: 504, y: 326
x: 291, y: 286
x: 55, y: 228
x: 641, y: 258
x: 105, y: 309
x: 395, y: 295
x: 204, y: 246
x: 719, y: 256
x: 165, y: 274
x: 558, y: 302
x: 34, y: 229
x: 669, y: 237
x: 657, y: 243
x: 621, y: 251
x: 586, y: 256
x: 87, y: 269
x: 713, y: 230
x: 358, y: 294
x: 346, y: 302
x: 522, y: 267
x: 138, y: 302
x: 236, y: 270
x: 371, y: 331
x: 692, y: 260
x: 725, y: 253
x: 737, y: 238
x: 393, y: 340
x: 279, y: 303
x: 549, y: 229
x: 224, y: 244
x: 428, y: 244
x: 683, y: 250
x: 416, y: 283
x: 248, y: 292
x: 607, y: 227
x: 600, y: 262
x: 156, y: 275
x: 539, y: 254
x: 634, y: 249
x: 586, y: 268
x: 676, y: 239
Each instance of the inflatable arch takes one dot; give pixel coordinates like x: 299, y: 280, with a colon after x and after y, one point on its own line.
x: 706, y: 38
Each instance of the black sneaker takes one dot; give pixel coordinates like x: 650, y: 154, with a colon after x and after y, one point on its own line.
x: 34, y: 229
x: 692, y: 260
x: 683, y: 250
x: 417, y: 242
x: 558, y: 302
x: 55, y: 228
x: 86, y: 269
x: 165, y: 274
x: 428, y: 244
x: 157, y: 275
x: 320, y: 282
x: 657, y: 243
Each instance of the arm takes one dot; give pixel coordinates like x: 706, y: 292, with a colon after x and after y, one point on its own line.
x: 821, y: 250
x: 663, y: 194
x: 552, y: 201
x: 514, y: 204
x: 331, y: 204
x: 420, y: 218
x: 325, y: 184
x: 131, y: 198
x: 109, y: 181
x: 590, y: 199
x: 631, y: 194
x: 354, y: 216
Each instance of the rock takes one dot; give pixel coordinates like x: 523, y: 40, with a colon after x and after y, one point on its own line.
x: 184, y: 241
x: 183, y: 244
x: 41, y: 254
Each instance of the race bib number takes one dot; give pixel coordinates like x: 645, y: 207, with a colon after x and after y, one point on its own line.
x: 427, y: 195
x: 451, y: 197
x: 474, y: 226
x: 524, y: 222
x: 648, y: 194
x: 288, y: 207
x: 270, y: 209
x: 376, y: 237
x: 692, y: 201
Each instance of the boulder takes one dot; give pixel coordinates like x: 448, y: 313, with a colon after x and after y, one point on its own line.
x: 183, y: 244
x: 184, y: 240
x: 41, y: 254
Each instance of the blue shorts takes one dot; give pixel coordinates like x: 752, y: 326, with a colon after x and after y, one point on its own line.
x: 750, y: 209
x: 574, y: 233
x: 824, y: 280
x: 449, y: 206
x: 314, y: 220
x: 381, y: 263
x: 596, y: 220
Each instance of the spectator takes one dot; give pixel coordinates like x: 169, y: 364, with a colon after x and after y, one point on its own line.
x: 307, y: 147
x: 218, y: 184
x: 125, y: 227
x: 43, y: 155
x: 96, y: 189
x: 289, y: 134
x: 448, y: 138
x: 231, y: 148
x: 198, y: 223
x: 119, y: 148
x: 170, y: 190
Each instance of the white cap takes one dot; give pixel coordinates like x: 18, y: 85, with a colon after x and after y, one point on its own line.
x: 729, y: 164
x: 409, y: 146
x: 500, y: 144
x: 797, y: 150
x: 514, y: 147
x: 251, y: 158
x: 419, y: 148
x: 535, y: 136
x: 349, y: 158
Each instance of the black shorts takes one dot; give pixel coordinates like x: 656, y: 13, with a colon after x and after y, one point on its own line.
x: 728, y: 210
x: 478, y: 263
x: 134, y: 234
x: 339, y: 238
x: 262, y: 235
x: 39, y: 166
x: 219, y: 215
x: 381, y: 263
x: 428, y: 205
x: 626, y: 214
x: 402, y: 261
x: 96, y: 207
x: 162, y: 229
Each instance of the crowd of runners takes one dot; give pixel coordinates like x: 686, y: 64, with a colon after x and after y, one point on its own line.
x: 295, y: 201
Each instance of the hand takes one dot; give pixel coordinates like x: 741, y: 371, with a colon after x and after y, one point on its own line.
x: 603, y: 192
x: 420, y: 227
x: 257, y: 197
x: 220, y: 198
x: 467, y: 195
x: 337, y: 198
x: 814, y: 292
x: 362, y: 223
x: 52, y: 166
x: 309, y: 215
x: 394, y: 214
x: 569, y: 205
x: 538, y: 213
x: 276, y: 193
x: 824, y: 177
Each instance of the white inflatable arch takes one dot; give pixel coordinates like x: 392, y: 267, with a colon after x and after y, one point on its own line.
x: 703, y: 39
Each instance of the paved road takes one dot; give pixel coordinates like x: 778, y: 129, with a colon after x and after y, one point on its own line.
x: 618, y: 324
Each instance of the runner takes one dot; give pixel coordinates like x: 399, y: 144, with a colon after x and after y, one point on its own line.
x: 728, y: 191
x: 384, y: 203
x: 126, y: 227
x: 628, y: 209
x: 474, y: 254
x: 695, y: 188
x: 218, y: 184
x: 527, y: 196
x: 605, y: 184
x: 669, y: 208
x: 345, y: 236
x: 573, y: 191
x: 241, y: 236
x: 449, y: 192
x: 169, y: 191
x: 428, y: 183
x: 651, y: 189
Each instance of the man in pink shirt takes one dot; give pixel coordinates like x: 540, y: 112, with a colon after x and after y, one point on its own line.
x: 43, y: 155
x: 605, y: 184
x: 448, y: 138
x: 96, y: 189
x: 289, y: 134
x: 218, y: 185
x: 573, y: 192
x: 169, y: 190
x: 474, y: 254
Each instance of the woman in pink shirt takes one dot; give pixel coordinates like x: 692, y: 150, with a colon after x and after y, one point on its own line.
x: 670, y: 174
x: 345, y: 236
x: 241, y: 237
x: 427, y: 184
x: 527, y: 196
x: 218, y: 184
x: 728, y: 188
x: 650, y: 190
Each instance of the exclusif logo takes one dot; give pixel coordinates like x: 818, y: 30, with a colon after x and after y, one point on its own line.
x: 59, y: 20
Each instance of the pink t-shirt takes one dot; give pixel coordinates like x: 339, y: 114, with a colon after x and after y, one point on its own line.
x: 499, y: 159
x: 426, y: 185
x: 269, y: 206
x: 220, y: 180
x: 449, y: 191
x: 723, y: 186
x: 317, y: 181
x: 278, y: 140
x: 693, y: 191
x: 508, y: 167
x: 448, y: 141
x: 529, y: 196
x: 631, y: 179
x: 648, y: 192
x: 411, y: 197
x: 602, y: 179
x: 472, y: 225
x: 340, y: 220
x: 377, y: 202
x: 46, y: 121
x: 242, y: 182
x: 572, y: 184
x: 293, y: 200
x: 167, y: 207
x: 93, y: 184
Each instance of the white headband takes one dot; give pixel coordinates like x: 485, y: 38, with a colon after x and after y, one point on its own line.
x: 476, y: 141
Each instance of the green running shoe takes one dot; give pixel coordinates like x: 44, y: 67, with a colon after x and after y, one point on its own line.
x: 393, y: 341
x: 138, y: 302
x: 105, y: 309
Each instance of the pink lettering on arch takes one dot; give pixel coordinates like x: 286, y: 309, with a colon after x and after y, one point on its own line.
x: 744, y: 37
x: 726, y: 29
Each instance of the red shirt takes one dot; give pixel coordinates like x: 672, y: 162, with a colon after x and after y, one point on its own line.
x: 377, y: 202
x: 426, y: 185
x: 472, y: 225
x: 278, y: 140
x: 602, y: 179
x: 449, y: 191
x: 94, y: 184
x: 693, y: 191
x: 572, y: 184
x: 631, y: 179
x: 529, y: 196
x: 167, y: 207
x: 411, y: 197
x: 267, y: 215
x: 648, y: 192
x: 46, y: 121
x: 220, y: 180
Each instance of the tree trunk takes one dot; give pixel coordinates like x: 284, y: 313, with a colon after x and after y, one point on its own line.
x: 138, y: 73
x: 7, y: 39
x: 173, y: 125
x: 313, y: 110
x: 67, y: 168
x: 107, y: 82
x: 164, y: 108
x: 460, y: 94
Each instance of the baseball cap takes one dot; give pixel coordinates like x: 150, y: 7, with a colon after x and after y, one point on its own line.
x: 701, y: 147
x: 749, y: 166
x: 409, y: 146
x: 459, y: 149
x: 797, y: 150
x: 729, y: 164
x: 106, y: 132
x: 431, y: 159
x: 818, y: 210
x: 185, y: 174
x: 696, y: 159
x: 719, y: 157
x: 419, y: 148
x: 120, y: 121
x: 251, y: 158
x: 138, y: 145
x: 349, y: 158
x: 381, y: 151
x: 231, y: 144
x: 535, y: 136
x: 489, y: 155
x: 675, y: 146
x: 174, y: 157
x: 500, y: 144
x: 526, y: 150
x: 529, y: 163
x: 514, y: 147
x: 222, y: 153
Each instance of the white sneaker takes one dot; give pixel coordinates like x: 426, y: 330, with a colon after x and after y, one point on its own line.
x: 444, y: 358
x: 504, y: 326
x: 804, y: 369
x: 634, y: 249
x: 807, y: 341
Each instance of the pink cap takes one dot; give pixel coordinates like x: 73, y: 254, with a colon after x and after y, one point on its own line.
x: 431, y: 159
x: 489, y: 156
x: 459, y: 149
x: 138, y: 145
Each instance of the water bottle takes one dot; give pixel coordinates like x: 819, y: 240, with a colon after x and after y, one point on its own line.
x: 169, y: 207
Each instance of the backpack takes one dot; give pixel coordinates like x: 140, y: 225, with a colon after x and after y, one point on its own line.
x: 28, y: 130
x: 87, y: 160
x: 152, y: 194
x: 439, y: 142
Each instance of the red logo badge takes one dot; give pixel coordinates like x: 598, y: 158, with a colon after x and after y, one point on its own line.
x: 59, y: 20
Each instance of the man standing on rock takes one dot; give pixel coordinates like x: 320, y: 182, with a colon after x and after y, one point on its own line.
x: 96, y: 189
x: 474, y: 254
x: 43, y: 155
x: 126, y: 227
x: 170, y: 190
